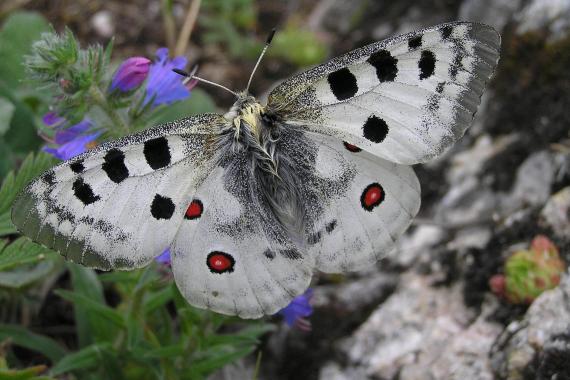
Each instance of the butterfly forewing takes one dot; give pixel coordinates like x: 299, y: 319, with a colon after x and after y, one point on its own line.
x: 405, y: 99
x: 119, y: 205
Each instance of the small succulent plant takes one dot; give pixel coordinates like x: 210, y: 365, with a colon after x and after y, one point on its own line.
x: 530, y: 272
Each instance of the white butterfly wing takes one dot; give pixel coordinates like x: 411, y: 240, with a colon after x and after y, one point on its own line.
x: 119, y: 205
x: 228, y: 258
x: 363, y: 221
x: 405, y: 99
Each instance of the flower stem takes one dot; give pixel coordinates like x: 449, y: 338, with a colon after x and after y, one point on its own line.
x: 101, y: 101
x: 187, y: 27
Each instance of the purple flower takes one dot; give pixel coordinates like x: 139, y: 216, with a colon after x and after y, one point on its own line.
x: 52, y: 119
x: 165, y: 86
x: 69, y: 141
x: 65, y: 135
x: 130, y: 74
x: 296, y: 312
x: 74, y: 147
x: 164, y: 257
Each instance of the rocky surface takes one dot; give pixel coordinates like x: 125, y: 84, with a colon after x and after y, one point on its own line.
x: 538, y: 346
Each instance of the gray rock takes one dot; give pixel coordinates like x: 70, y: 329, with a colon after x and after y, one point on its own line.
x: 468, y: 200
x: 553, y: 15
x: 411, y: 246
x: 533, y: 181
x: 333, y: 371
x: 492, y: 12
x: 556, y: 213
x: 465, y: 356
x: 420, y: 332
x: 547, y: 318
x: 352, y: 297
x: 470, y: 237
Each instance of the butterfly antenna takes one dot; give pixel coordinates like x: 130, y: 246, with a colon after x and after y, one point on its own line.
x: 267, y: 43
x: 190, y: 76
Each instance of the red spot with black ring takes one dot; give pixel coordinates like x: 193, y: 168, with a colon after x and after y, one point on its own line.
x: 220, y: 262
x: 372, y: 196
x: 194, y: 210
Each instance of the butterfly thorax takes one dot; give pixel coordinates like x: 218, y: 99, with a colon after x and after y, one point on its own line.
x: 246, y: 113
x: 247, y: 131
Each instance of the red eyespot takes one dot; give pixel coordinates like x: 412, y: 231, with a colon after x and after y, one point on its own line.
x: 372, y: 196
x: 351, y: 148
x: 220, y: 262
x: 194, y: 210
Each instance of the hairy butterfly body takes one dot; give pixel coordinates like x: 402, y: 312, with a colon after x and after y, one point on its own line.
x: 254, y: 201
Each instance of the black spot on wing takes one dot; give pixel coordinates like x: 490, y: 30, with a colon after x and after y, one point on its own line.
x: 375, y: 129
x: 331, y: 226
x: 446, y: 32
x: 49, y: 178
x: 385, y: 65
x: 269, y: 254
x: 426, y: 64
x: 77, y: 167
x: 439, y: 87
x: 343, y: 84
x: 114, y: 165
x: 291, y: 253
x: 157, y: 152
x: 162, y: 207
x: 415, y: 42
x: 84, y: 192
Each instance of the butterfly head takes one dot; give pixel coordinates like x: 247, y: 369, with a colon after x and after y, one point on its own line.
x: 246, y: 113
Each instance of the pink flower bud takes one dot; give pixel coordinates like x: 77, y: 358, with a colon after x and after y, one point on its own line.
x: 130, y: 74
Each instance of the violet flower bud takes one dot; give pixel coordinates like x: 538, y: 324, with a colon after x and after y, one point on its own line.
x: 132, y: 72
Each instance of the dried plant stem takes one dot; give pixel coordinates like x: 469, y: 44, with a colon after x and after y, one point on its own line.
x: 169, y: 24
x: 187, y: 27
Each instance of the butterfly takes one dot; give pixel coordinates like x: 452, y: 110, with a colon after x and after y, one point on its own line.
x: 254, y: 201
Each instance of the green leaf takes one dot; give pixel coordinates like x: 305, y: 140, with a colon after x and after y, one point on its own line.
x: 198, y: 102
x: 165, y: 352
x: 157, y: 300
x: 21, y: 252
x: 6, y: 113
x: 6, y: 225
x: 94, y: 307
x: 24, y: 263
x: 23, y: 276
x: 14, y: 183
x: 30, y: 373
x: 25, y: 338
x: 20, y: 30
x: 90, y: 327
x: 299, y: 46
x: 86, y: 358
x: 21, y: 138
x: 217, y: 358
x: 249, y: 335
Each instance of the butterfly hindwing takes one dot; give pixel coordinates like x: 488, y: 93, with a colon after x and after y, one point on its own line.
x: 120, y: 204
x: 231, y: 255
x: 361, y: 223
x: 405, y: 99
